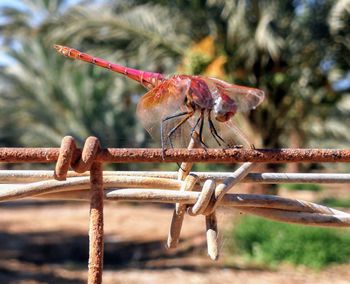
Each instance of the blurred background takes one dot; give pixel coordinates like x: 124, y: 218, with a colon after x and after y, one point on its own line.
x: 296, y: 51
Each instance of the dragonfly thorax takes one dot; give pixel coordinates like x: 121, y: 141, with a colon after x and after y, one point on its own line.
x: 199, y: 94
x: 224, y: 108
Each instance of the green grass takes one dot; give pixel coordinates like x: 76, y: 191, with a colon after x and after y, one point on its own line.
x: 306, y: 186
x: 336, y: 202
x: 270, y: 243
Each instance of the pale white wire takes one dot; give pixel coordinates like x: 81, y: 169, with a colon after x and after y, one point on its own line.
x: 164, y: 187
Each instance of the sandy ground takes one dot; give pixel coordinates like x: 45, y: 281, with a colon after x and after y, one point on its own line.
x: 46, y: 242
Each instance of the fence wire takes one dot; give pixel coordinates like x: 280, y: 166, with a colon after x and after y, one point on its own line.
x: 195, y: 193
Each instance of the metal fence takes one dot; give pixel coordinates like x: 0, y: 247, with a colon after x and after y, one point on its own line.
x: 197, y: 193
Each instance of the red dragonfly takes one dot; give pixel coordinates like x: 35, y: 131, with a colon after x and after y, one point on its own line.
x: 177, y: 106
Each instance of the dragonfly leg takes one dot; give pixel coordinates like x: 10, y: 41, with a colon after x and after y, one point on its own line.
x: 194, y: 128
x: 200, y: 121
x: 201, y: 129
x: 172, y: 131
x: 214, y: 133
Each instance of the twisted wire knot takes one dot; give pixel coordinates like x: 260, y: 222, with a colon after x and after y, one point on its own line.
x: 205, y: 203
x: 69, y: 155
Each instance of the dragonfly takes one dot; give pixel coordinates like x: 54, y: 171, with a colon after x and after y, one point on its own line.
x: 178, y: 106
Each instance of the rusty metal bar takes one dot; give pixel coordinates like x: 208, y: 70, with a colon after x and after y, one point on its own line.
x: 133, y: 155
x: 96, y: 242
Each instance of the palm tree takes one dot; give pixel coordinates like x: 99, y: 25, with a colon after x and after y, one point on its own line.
x: 47, y: 99
x: 57, y: 98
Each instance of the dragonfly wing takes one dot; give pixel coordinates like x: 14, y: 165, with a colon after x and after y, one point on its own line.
x: 167, y: 99
x: 246, y: 98
x: 231, y: 133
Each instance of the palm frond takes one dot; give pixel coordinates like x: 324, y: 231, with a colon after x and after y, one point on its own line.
x: 339, y: 16
x: 56, y: 99
x: 145, y: 24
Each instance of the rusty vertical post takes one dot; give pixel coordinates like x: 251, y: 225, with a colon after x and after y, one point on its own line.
x: 96, y: 225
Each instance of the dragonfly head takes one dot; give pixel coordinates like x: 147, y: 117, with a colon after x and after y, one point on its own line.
x: 224, y: 108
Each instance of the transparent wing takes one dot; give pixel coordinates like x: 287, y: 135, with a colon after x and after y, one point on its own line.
x: 232, y: 135
x: 246, y: 98
x: 167, y: 99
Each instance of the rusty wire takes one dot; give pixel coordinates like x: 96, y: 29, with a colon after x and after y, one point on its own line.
x: 194, y: 193
x: 136, y: 155
x: 87, y: 161
x: 96, y: 242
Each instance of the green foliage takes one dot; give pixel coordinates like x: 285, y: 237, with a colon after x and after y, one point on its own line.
x: 271, y: 243
x: 336, y: 202
x: 303, y: 186
x: 55, y: 100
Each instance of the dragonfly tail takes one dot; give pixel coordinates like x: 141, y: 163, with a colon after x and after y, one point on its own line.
x: 147, y: 79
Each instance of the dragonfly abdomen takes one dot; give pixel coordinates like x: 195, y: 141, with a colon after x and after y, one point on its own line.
x: 147, y: 79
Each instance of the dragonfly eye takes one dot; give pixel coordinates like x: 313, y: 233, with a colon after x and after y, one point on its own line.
x: 224, y: 109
